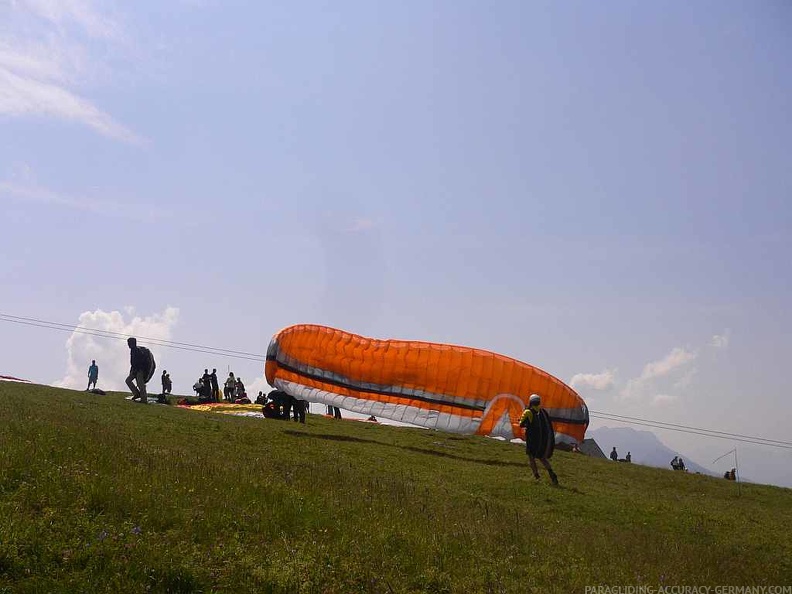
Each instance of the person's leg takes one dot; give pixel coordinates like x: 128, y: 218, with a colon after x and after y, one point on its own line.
x: 141, y: 382
x: 532, y: 462
x: 130, y: 382
x: 553, y: 475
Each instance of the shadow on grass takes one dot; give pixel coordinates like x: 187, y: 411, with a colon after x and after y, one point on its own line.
x: 349, y: 438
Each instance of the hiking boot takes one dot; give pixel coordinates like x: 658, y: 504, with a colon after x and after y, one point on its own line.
x: 554, y: 477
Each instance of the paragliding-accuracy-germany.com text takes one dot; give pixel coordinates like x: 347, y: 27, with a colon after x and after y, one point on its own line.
x: 688, y: 590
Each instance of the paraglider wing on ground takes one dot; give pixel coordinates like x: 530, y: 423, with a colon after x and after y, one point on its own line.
x: 438, y: 386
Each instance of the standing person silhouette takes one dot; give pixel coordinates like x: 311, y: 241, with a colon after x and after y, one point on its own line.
x: 93, y: 375
x: 215, y: 386
x: 141, y: 370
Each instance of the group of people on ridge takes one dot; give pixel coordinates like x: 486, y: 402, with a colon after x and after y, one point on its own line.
x: 207, y: 388
x: 614, y: 455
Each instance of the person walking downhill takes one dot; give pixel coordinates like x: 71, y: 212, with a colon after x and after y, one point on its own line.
x: 93, y: 375
x: 141, y: 370
x: 539, y: 436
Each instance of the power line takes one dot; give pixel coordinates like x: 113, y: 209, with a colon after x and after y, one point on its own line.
x: 185, y: 346
x: 674, y: 425
x: 703, y: 432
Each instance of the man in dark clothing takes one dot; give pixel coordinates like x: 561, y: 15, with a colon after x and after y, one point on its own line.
x: 614, y: 455
x: 167, y: 386
x: 207, y: 385
x: 215, y: 386
x: 93, y: 375
x: 287, y: 402
x: 282, y: 403
x: 539, y: 436
x: 141, y: 369
x: 299, y: 410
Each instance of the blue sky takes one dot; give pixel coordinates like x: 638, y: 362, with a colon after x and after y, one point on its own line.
x: 601, y: 190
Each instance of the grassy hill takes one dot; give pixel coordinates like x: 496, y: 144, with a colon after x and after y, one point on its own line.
x: 98, y: 494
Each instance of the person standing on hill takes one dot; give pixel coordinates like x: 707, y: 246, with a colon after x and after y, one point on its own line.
x: 206, y: 380
x: 141, y: 370
x: 167, y: 386
x: 215, y: 386
x: 230, y: 386
x: 539, y: 436
x: 93, y: 375
x: 614, y: 455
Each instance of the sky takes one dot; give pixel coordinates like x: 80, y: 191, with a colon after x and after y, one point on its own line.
x: 598, y: 189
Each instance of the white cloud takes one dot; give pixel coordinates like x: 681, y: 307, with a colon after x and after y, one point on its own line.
x: 595, y: 381
x: 720, y: 341
x: 257, y: 385
x: 670, y: 365
x: 686, y: 379
x: 77, y: 12
x: 20, y: 95
x: 29, y: 191
x: 43, y: 58
x: 112, y: 354
x: 673, y: 360
x: 664, y: 399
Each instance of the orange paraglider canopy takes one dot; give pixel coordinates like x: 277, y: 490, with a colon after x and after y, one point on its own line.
x: 440, y: 386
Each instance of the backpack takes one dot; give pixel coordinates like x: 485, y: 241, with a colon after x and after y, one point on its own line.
x: 152, y: 366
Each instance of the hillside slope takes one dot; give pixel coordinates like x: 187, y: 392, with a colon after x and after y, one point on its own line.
x: 100, y: 494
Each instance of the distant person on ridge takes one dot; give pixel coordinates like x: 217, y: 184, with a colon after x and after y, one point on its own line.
x: 93, y: 375
x: 613, y: 455
x: 539, y: 436
x: 230, y: 386
x: 628, y: 458
x: 215, y: 387
x: 206, y: 380
x: 239, y: 389
x: 141, y: 370
x: 167, y: 386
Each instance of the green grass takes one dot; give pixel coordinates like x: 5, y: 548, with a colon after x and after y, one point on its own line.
x: 98, y: 494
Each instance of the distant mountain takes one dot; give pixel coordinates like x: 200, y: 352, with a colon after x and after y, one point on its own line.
x: 644, y: 446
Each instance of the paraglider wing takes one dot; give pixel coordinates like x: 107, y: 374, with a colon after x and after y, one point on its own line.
x: 438, y: 386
